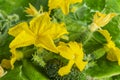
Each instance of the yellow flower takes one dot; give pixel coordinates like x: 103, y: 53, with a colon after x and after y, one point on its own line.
x: 41, y: 32
x: 74, y: 53
x: 113, y: 52
x: 63, y: 4
x: 32, y: 11
x: 2, y: 72
x: 100, y: 20
x: 16, y: 55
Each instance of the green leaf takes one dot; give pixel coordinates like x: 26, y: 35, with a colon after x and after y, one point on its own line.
x: 113, y: 6
x: 84, y: 15
x: 93, y: 42
x: 15, y: 74
x: 97, y: 5
x: 31, y: 72
x: 25, y: 71
x: 76, y: 31
x: 103, y: 69
x: 4, y: 49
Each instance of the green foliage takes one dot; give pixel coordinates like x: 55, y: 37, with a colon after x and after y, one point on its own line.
x: 18, y: 74
x: 6, y: 21
x: 96, y: 5
x: 93, y: 41
x: 13, y: 6
x: 24, y: 71
x: 4, y: 49
x: 113, y: 6
x: 103, y: 69
x: 31, y: 72
x: 83, y: 15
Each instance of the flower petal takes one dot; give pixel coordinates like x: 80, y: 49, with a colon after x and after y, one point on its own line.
x: 63, y: 4
x: 66, y: 69
x: 40, y: 24
x: 65, y: 7
x: 14, y: 31
x: 111, y: 56
x: 65, y: 51
x: 54, y: 4
x: 103, y: 19
x: 76, y: 49
x: 100, y: 20
x: 23, y: 39
x: 80, y: 64
x: 117, y: 53
x: 75, y: 1
x: 106, y: 34
x: 16, y: 55
x: 46, y: 42
x: 114, y: 55
x: 57, y: 30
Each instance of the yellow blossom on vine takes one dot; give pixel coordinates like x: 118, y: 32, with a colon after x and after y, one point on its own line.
x: 100, y: 20
x: 16, y: 55
x: 113, y: 52
x: 32, y: 11
x: 63, y: 4
x: 74, y: 53
x: 41, y: 32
